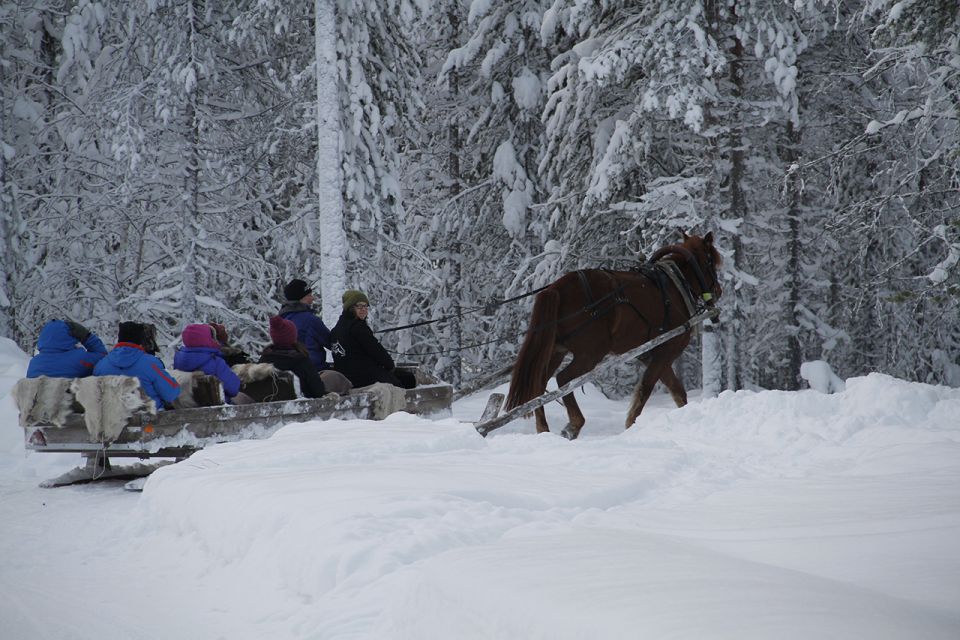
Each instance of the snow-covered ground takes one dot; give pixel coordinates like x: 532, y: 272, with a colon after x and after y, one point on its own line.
x: 767, y: 515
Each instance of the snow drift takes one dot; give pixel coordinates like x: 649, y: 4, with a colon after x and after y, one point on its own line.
x: 750, y: 515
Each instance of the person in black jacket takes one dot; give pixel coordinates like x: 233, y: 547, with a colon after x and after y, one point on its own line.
x: 287, y: 354
x: 357, y: 354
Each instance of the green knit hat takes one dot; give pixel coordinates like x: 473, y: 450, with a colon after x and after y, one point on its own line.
x: 352, y: 297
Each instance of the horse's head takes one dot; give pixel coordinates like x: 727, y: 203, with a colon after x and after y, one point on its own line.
x: 701, y: 259
x: 707, y: 259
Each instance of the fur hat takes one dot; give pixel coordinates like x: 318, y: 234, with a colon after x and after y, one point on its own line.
x: 296, y: 289
x: 352, y: 297
x: 199, y: 335
x: 283, y: 332
x: 220, y: 332
x: 131, y: 332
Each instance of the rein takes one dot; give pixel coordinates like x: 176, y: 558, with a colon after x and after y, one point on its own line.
x: 592, y: 308
x: 586, y: 309
x: 464, y: 312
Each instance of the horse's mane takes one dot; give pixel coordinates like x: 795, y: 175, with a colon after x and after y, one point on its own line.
x: 684, y: 251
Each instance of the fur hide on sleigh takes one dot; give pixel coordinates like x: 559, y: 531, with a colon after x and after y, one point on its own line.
x: 109, y: 402
x: 44, y: 400
x: 265, y: 383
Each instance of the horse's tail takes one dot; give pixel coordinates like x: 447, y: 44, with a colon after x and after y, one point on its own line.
x: 530, y: 374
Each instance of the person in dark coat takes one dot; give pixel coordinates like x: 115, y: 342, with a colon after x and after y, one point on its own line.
x: 286, y: 354
x: 58, y: 354
x: 201, y: 352
x: 128, y: 358
x: 357, y: 354
x: 311, y: 332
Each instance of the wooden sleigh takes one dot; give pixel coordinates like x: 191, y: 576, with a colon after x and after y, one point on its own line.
x: 90, y: 423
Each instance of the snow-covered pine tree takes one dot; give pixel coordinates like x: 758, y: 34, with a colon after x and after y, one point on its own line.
x: 48, y: 53
x: 904, y: 291
x: 494, y: 222
x: 625, y: 157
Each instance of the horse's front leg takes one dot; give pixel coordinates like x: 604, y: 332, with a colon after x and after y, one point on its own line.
x: 540, y: 414
x: 581, y: 364
x: 575, y: 419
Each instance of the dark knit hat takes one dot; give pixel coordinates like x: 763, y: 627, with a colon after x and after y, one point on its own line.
x: 131, y: 332
x: 296, y: 289
x: 283, y: 332
x: 352, y: 297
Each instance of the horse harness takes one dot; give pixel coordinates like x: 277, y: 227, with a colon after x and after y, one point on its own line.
x: 659, y: 271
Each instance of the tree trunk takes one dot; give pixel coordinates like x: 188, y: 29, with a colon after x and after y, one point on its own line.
x: 333, y: 240
x: 6, y: 229
x: 190, y: 218
x: 790, y: 153
x: 737, y: 208
x: 711, y: 360
x: 453, y: 168
x: 711, y: 363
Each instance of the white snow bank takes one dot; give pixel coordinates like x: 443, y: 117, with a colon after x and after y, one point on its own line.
x: 749, y: 515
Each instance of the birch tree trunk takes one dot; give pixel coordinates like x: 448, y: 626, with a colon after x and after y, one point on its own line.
x: 711, y: 363
x: 737, y: 208
x: 333, y: 241
x: 190, y: 221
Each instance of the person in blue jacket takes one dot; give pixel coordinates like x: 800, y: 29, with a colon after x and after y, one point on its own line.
x: 201, y: 352
x: 60, y: 357
x: 311, y: 331
x: 129, y: 359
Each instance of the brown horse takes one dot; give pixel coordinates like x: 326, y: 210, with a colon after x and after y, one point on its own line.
x: 594, y: 312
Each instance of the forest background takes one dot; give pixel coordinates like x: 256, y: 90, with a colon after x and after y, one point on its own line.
x: 177, y: 161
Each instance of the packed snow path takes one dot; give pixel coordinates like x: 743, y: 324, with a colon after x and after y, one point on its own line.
x: 752, y: 515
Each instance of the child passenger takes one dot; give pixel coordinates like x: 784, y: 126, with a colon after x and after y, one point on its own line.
x: 201, y: 352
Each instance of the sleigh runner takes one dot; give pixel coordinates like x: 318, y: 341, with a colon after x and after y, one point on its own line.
x: 109, y: 417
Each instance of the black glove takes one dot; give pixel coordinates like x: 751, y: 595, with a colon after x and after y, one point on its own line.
x: 78, y: 331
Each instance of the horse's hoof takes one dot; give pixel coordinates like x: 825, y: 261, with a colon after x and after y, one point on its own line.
x: 569, y: 433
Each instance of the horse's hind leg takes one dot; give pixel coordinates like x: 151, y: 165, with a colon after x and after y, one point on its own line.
x: 540, y: 413
x: 672, y: 383
x: 580, y: 365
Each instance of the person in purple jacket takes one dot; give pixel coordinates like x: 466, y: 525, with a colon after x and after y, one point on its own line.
x: 201, y: 352
x: 58, y: 354
x: 299, y: 310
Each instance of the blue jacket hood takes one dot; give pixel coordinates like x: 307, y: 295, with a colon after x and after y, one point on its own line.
x: 124, y: 357
x: 55, y: 336
x: 61, y: 357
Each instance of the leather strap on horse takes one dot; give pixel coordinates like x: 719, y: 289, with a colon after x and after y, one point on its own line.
x: 616, y: 294
x: 692, y: 261
x: 592, y: 305
x: 673, y: 272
